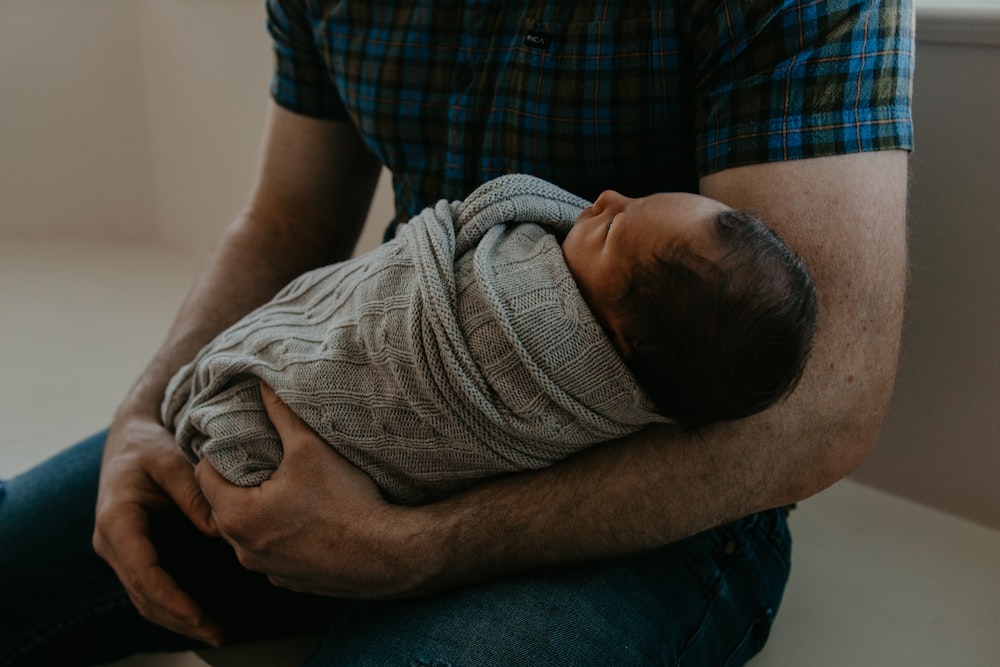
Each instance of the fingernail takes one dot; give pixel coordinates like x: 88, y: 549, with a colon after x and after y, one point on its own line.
x: 210, y: 639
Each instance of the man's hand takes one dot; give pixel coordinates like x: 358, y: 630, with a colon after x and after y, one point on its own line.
x: 307, y: 208
x: 144, y: 472
x: 319, y: 525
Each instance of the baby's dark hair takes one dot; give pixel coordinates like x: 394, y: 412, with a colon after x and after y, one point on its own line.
x: 712, y: 342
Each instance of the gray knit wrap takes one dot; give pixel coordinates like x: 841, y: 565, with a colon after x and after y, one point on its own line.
x: 460, y: 349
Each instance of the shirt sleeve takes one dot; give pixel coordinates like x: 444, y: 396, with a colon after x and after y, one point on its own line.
x: 300, y: 81
x: 790, y: 79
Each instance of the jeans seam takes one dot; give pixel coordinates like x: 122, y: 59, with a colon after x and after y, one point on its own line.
x: 739, y: 649
x: 712, y: 598
x: 776, y: 538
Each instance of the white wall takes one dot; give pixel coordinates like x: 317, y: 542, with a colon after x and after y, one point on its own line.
x: 73, y: 149
x: 207, y: 65
x: 133, y: 119
x: 941, y: 441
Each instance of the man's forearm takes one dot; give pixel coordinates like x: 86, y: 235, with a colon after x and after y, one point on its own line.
x: 621, y: 497
x: 845, y: 216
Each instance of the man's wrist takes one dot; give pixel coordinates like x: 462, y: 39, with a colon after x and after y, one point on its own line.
x: 419, y: 543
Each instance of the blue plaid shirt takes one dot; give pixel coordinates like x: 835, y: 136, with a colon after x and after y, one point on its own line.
x: 636, y: 96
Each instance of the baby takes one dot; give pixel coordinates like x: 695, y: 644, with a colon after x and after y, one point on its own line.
x: 712, y: 312
x: 476, y: 343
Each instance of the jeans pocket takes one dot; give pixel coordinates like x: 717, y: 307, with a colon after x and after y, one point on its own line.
x: 745, y: 565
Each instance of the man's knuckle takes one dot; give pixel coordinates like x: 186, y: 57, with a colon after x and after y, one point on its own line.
x: 287, y: 584
x: 98, y: 542
x: 248, y: 560
x: 243, y: 526
x: 192, y: 500
x: 232, y: 528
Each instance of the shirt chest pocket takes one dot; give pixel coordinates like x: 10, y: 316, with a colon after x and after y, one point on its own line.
x: 583, y: 93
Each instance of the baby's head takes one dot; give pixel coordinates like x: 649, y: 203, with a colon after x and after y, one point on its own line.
x: 712, y: 312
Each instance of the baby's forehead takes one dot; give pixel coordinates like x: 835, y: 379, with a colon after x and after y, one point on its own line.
x: 682, y: 221
x: 686, y: 203
x: 680, y: 213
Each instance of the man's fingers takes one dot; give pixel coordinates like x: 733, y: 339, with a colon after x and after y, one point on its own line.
x: 160, y: 599
x: 236, y: 510
x: 280, y: 414
x: 216, y: 490
x: 180, y: 484
x: 295, y: 434
x: 153, y: 592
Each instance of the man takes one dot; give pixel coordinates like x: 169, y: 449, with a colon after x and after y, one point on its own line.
x: 797, y: 111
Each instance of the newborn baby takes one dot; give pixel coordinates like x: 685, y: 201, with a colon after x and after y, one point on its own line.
x: 475, y: 343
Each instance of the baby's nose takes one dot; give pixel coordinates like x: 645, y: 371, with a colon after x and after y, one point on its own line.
x: 608, y: 199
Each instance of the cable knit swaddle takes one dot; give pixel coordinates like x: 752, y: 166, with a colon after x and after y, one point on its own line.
x: 458, y: 350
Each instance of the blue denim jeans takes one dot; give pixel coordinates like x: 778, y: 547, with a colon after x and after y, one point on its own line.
x: 708, y: 600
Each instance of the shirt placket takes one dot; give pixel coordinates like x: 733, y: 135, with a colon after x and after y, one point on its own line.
x: 465, y: 113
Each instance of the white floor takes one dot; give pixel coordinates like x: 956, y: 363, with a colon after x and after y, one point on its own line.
x: 876, y: 580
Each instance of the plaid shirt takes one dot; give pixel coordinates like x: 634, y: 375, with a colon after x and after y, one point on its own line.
x: 636, y: 96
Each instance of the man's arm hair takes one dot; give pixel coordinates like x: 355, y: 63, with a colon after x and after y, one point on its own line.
x: 845, y: 216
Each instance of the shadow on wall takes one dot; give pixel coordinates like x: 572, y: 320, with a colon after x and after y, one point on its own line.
x: 940, y: 442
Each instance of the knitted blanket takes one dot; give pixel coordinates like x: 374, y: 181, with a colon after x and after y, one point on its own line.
x: 460, y: 349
